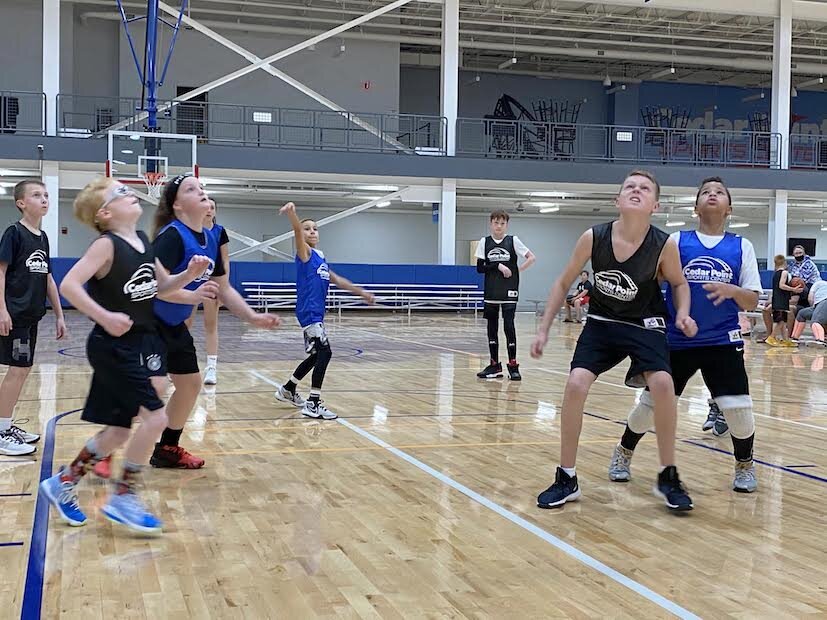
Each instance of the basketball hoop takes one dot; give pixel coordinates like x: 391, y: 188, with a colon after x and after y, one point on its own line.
x: 154, y: 182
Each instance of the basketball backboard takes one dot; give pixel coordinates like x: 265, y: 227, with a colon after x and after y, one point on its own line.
x: 150, y: 158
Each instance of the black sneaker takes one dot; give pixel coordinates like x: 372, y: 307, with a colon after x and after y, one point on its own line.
x: 671, y: 489
x: 492, y: 371
x: 720, y: 428
x: 713, y: 414
x: 565, y: 489
x: 514, y: 372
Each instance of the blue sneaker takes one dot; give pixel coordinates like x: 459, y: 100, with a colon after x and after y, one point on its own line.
x: 63, y: 496
x: 127, y: 509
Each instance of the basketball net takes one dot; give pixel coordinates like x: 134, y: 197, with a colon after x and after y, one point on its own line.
x: 154, y: 182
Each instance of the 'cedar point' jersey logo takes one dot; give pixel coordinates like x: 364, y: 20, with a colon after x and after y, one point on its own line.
x: 614, y: 283
x: 38, y: 262
x: 323, y: 272
x: 142, y: 285
x: 708, y: 269
x: 499, y: 255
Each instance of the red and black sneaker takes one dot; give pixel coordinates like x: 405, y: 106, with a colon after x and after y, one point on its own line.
x: 174, y: 456
x: 103, y: 468
x: 494, y: 370
x: 514, y: 372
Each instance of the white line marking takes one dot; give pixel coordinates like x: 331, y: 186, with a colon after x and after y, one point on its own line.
x: 566, y: 548
x: 574, y: 552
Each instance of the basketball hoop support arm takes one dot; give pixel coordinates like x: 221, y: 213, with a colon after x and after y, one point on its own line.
x: 147, y: 73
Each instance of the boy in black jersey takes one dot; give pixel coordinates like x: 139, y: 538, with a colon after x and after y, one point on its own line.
x: 127, y: 355
x: 497, y: 258
x: 627, y: 318
x: 25, y: 283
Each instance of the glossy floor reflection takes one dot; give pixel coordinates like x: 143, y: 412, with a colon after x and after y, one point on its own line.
x: 421, y: 502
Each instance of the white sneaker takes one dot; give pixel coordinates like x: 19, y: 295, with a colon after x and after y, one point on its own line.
x: 291, y: 398
x: 12, y: 444
x: 318, y: 411
x: 25, y: 435
x: 210, y: 376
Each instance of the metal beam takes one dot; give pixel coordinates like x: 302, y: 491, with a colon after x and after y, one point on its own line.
x: 265, y: 63
x: 250, y: 241
x: 327, y: 220
x: 248, y: 55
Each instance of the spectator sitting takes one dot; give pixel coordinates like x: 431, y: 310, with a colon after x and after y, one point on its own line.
x: 579, y: 299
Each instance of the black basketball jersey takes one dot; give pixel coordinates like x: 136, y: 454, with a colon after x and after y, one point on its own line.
x: 130, y: 286
x: 27, y: 273
x: 498, y: 288
x: 627, y: 291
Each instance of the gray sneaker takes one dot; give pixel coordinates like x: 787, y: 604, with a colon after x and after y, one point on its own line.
x: 291, y: 398
x: 620, y: 467
x: 318, y: 411
x: 745, y: 481
x: 720, y: 428
x: 714, y: 412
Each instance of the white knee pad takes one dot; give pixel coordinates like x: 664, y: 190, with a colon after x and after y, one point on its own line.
x: 642, y: 417
x: 741, y: 422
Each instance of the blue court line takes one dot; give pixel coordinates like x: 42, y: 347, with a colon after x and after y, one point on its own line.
x: 12, y: 544
x: 14, y: 494
x: 33, y: 590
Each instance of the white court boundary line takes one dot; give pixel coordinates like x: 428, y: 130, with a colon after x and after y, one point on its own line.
x: 574, y: 552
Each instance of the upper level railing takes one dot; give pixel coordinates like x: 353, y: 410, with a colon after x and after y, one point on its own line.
x: 22, y: 113
x: 217, y: 123
x: 614, y: 143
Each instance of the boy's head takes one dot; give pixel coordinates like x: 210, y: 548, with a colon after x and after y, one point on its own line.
x: 640, y: 192
x: 498, y: 224
x: 105, y: 202
x: 713, y: 199
x: 311, y: 232
x: 31, y: 197
x: 780, y: 261
x: 584, y: 275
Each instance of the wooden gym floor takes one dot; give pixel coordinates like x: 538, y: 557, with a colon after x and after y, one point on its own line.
x: 419, y: 502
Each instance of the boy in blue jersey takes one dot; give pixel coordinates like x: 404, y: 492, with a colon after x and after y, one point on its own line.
x: 313, y: 278
x: 722, y: 272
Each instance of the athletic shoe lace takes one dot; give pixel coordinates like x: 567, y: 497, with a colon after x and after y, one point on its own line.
x: 12, y: 435
x: 68, y: 495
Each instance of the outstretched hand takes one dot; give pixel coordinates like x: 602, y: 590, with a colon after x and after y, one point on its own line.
x: 287, y: 209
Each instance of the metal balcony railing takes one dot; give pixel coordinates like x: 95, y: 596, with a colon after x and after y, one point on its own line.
x: 613, y: 143
x: 22, y: 113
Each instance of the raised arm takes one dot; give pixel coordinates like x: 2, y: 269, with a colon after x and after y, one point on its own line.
x: 560, y: 288
x: 302, y: 249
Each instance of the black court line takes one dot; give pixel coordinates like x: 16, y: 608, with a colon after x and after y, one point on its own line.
x: 11, y: 544
x: 14, y: 494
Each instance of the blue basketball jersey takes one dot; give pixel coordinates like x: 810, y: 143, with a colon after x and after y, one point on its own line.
x: 312, y: 282
x: 717, y: 325
x: 172, y: 313
x: 215, y: 231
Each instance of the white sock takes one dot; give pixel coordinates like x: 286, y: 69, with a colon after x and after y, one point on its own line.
x: 570, y: 471
x: 212, y: 361
x: 5, y: 424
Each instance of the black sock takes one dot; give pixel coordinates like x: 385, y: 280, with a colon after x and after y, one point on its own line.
x: 630, y: 439
x: 743, y: 448
x: 290, y: 386
x: 494, y: 351
x: 171, y: 437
